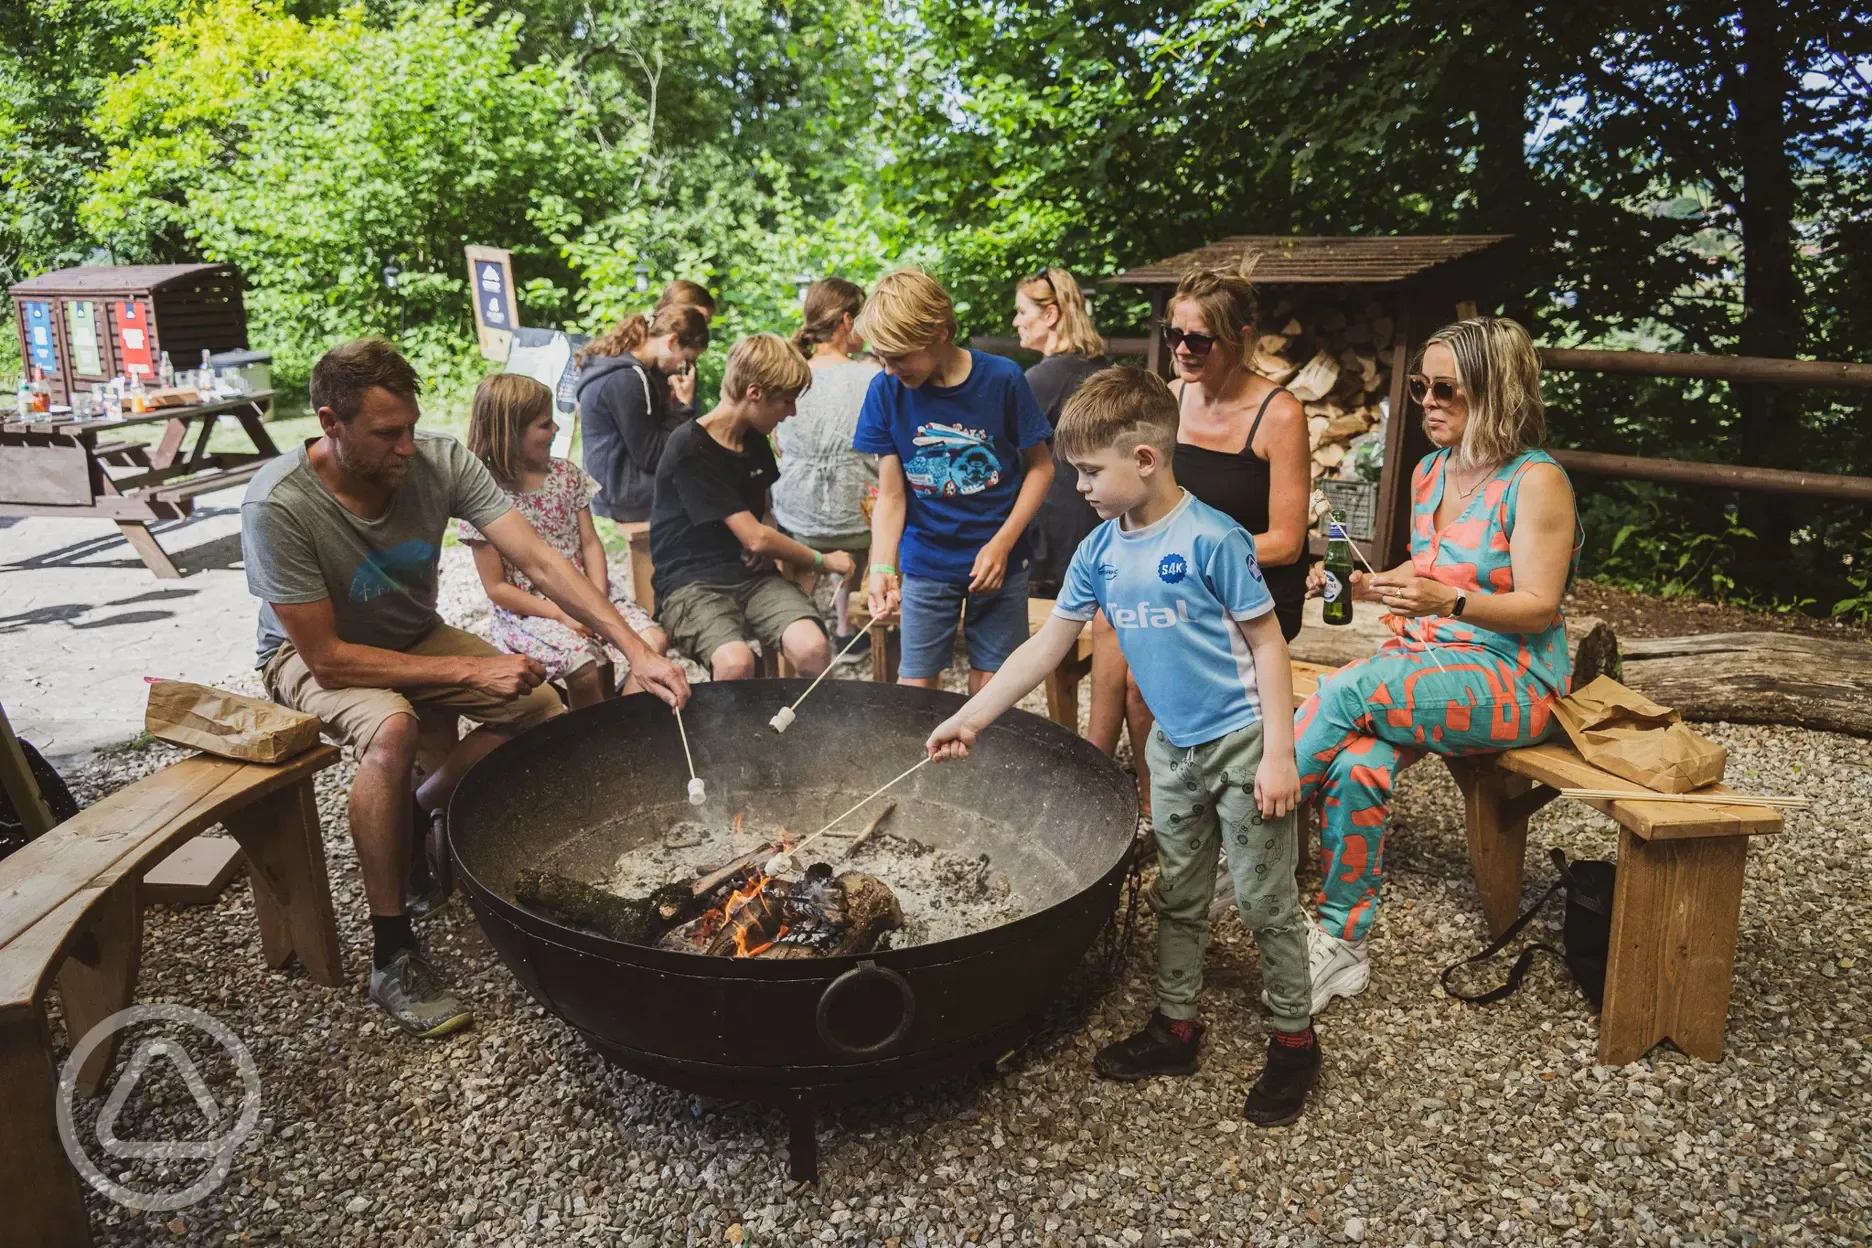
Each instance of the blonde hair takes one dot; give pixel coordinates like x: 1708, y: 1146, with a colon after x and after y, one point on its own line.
x: 504, y: 405
x: 1226, y: 299
x: 1120, y: 408
x: 1499, y: 371
x: 688, y: 322
x: 828, y: 301
x: 1075, y: 334
x: 907, y: 311
x: 768, y: 361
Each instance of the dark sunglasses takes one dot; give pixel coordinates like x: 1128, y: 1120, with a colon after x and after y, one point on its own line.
x: 1199, y: 344
x: 1421, y: 388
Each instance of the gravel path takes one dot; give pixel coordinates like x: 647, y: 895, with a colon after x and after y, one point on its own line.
x: 1435, y: 1122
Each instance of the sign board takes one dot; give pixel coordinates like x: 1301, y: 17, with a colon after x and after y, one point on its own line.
x: 81, y: 331
x: 41, y: 344
x: 133, y: 333
x: 548, y: 356
x: 491, y: 286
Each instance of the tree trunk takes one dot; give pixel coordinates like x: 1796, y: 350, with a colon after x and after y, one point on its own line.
x: 1757, y: 678
x: 1771, y: 305
x: 1504, y: 186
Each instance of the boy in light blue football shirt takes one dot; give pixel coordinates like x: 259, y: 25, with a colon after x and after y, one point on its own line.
x: 1179, y: 582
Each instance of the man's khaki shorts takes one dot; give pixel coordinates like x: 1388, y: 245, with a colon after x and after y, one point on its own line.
x: 353, y: 716
x: 701, y: 619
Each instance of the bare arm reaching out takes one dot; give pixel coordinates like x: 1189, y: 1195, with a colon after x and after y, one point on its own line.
x: 578, y: 597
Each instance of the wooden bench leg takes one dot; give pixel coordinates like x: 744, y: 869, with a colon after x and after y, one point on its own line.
x: 292, y: 896
x: 1674, y: 919
x: 149, y: 550
x: 38, y: 1187
x: 99, y: 975
x: 1497, y: 837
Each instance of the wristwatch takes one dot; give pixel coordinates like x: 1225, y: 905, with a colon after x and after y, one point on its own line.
x: 1462, y: 600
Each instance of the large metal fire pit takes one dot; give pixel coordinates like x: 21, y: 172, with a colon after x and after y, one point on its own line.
x: 1052, y: 813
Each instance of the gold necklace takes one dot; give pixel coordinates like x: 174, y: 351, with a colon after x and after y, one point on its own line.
x: 1485, y: 475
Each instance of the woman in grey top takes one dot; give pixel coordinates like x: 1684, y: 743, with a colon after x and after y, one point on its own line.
x: 819, y: 499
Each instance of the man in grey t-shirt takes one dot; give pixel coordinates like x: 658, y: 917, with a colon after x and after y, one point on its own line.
x: 341, y: 539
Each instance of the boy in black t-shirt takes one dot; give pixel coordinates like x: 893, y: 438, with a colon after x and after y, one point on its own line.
x: 715, y: 581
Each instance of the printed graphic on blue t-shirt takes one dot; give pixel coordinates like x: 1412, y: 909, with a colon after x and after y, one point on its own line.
x: 961, y: 451
x: 1173, y: 591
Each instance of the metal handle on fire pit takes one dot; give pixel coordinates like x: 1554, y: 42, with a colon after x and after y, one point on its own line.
x: 866, y: 970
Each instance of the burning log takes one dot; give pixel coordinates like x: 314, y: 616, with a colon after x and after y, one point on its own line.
x: 633, y: 920
x: 815, y: 916
x: 871, y: 912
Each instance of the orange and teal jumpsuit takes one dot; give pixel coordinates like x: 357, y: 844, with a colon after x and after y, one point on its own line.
x: 1493, y: 691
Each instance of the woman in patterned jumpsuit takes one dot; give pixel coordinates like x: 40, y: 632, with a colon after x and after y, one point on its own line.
x: 1480, y: 652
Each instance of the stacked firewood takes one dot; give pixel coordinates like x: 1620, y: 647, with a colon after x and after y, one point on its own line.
x: 1337, y: 365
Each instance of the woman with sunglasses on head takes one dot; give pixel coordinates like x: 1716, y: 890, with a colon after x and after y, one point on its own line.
x: 1051, y: 317
x: 1241, y: 448
x: 1480, y: 652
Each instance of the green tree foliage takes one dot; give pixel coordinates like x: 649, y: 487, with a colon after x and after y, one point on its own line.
x: 311, y: 153
x: 1678, y: 174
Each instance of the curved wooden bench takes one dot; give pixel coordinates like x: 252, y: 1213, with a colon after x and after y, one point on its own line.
x: 69, y: 910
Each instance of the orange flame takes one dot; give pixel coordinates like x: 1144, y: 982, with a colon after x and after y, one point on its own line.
x: 739, y: 899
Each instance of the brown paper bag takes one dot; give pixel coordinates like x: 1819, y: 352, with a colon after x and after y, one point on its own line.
x: 226, y: 723
x: 1629, y: 735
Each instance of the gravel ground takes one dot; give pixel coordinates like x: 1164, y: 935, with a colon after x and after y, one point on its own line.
x: 1435, y: 1122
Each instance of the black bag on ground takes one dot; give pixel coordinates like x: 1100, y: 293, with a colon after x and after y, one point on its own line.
x: 1585, y: 933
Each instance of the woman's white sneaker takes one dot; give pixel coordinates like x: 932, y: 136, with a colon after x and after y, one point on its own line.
x: 1340, y: 968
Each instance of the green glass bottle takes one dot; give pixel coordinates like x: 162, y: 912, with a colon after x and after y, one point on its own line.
x: 1336, y: 598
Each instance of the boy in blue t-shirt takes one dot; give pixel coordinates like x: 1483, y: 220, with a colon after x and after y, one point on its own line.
x: 1179, y: 582
x: 963, y: 466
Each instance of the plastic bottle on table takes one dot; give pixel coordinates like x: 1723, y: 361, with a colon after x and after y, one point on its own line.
x: 166, y: 372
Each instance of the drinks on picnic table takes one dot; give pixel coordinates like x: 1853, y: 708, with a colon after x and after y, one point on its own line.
x: 166, y: 372
x: 1336, y: 595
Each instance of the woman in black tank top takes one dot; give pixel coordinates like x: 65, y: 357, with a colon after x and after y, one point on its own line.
x: 1239, y: 484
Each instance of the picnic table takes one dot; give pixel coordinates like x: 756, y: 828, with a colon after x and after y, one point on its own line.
x: 61, y: 467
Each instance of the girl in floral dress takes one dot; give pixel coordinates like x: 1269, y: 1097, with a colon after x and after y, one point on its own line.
x: 511, y: 429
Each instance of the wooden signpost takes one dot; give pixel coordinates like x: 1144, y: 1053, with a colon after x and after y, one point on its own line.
x: 491, y: 286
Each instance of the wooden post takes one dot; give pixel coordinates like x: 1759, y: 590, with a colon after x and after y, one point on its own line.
x: 1675, y: 911
x: 99, y: 975
x: 1391, y: 534
x: 637, y: 537
x: 38, y: 1186
x: 1155, y: 357
x: 292, y: 898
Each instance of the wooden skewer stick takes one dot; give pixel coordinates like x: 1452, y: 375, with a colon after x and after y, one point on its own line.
x: 1374, y: 571
x: 783, y: 719
x: 1711, y: 799
x: 781, y: 862
x: 877, y: 821
x: 697, y: 794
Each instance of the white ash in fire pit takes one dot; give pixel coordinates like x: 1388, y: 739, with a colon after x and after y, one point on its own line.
x: 943, y: 894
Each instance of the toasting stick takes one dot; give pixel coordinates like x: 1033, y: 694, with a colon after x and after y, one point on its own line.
x: 1374, y: 572
x: 782, y: 862
x: 697, y: 794
x: 783, y: 718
